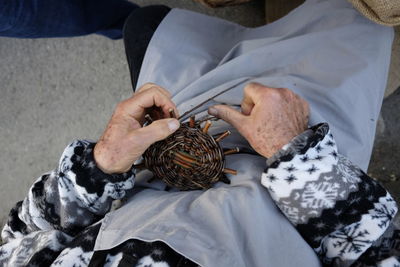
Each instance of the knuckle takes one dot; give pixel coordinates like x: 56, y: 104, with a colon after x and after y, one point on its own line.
x: 138, y: 140
x: 255, y: 85
x: 251, y: 86
x: 276, y: 91
x: 146, y: 86
x: 275, y: 94
x: 225, y: 113
x: 160, y: 129
x: 120, y: 107
x: 150, y: 90
x: 164, y: 91
x: 156, y: 91
x: 268, y: 97
x: 160, y: 124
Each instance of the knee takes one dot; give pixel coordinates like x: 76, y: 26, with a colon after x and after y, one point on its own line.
x: 148, y: 17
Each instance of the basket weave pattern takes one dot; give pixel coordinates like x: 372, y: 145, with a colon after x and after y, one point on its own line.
x: 188, y: 159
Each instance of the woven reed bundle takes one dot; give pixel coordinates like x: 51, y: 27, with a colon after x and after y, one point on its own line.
x: 190, y: 158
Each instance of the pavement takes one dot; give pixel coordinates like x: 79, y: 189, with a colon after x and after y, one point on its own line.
x: 384, y: 164
x: 57, y: 90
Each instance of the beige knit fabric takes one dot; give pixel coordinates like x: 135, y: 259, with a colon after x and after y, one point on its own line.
x: 385, y: 12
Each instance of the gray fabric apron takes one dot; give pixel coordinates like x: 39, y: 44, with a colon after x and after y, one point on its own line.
x: 324, y: 51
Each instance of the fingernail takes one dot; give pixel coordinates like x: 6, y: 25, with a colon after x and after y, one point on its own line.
x: 213, y: 111
x: 173, y: 125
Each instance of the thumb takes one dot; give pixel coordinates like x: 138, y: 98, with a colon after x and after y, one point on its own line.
x: 156, y: 131
x: 228, y: 114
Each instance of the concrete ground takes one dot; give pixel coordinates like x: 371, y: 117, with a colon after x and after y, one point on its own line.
x: 57, y: 90
x: 384, y: 163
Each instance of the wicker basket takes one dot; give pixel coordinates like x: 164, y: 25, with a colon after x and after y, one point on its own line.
x: 190, y: 158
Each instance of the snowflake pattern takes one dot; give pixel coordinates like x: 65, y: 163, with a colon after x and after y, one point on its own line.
x: 350, y: 239
x: 383, y: 213
x: 330, y: 143
x: 290, y: 179
x: 312, y: 169
x: 292, y: 213
x: 319, y: 195
x: 334, y: 154
x: 3, y: 253
x: 304, y: 158
x: 291, y: 168
x: 349, y: 173
x: 319, y: 157
x: 318, y: 148
x: 272, y: 177
x: 333, y: 237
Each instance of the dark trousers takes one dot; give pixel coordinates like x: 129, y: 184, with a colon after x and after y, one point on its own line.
x: 63, y: 18
x: 138, y: 30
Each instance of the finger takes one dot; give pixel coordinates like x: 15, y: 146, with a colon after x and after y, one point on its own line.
x: 145, y: 86
x: 156, y: 131
x: 246, y: 107
x: 247, y: 102
x: 148, y: 86
x: 136, y: 105
x: 157, y: 90
x: 252, y: 93
x: 153, y: 86
x: 228, y: 114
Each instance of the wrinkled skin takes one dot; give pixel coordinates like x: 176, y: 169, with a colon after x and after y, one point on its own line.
x: 124, y: 139
x: 269, y: 117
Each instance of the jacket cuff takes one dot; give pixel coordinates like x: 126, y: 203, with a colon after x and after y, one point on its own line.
x: 83, y: 164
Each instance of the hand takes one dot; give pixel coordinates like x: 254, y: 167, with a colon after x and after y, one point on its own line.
x: 269, y: 117
x: 124, y: 139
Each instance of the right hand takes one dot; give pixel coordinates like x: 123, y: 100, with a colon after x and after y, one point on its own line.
x: 269, y: 117
x: 124, y: 139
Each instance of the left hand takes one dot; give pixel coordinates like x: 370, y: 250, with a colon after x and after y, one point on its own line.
x: 269, y: 117
x: 124, y: 139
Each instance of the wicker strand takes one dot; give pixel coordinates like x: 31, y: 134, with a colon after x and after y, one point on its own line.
x: 189, y: 158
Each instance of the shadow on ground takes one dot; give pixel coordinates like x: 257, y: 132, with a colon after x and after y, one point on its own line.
x: 385, y: 161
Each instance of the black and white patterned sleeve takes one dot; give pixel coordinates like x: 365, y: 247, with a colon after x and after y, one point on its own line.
x: 68, y: 199
x: 342, y: 213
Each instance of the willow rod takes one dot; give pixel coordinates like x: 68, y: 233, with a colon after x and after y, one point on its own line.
x: 211, y: 98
